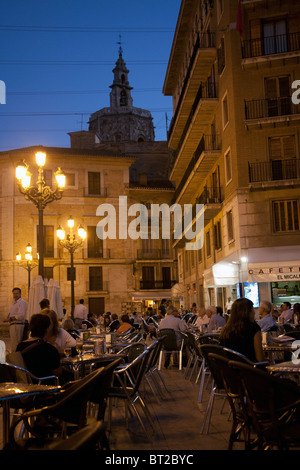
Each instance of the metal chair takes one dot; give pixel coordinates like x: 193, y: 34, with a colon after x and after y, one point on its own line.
x: 152, y: 371
x: 126, y: 387
x: 273, y: 404
x: 218, y: 388
x: 204, y: 370
x: 173, y: 342
x: 66, y: 415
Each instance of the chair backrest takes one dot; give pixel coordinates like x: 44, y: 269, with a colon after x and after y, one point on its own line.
x: 71, y: 405
x: 21, y: 374
x: 84, y: 439
x: 265, y: 391
x: 133, y: 350
x: 101, y: 387
x: 169, y: 339
x: 230, y: 377
x: 154, y: 351
x: 136, y: 370
x: 209, y: 339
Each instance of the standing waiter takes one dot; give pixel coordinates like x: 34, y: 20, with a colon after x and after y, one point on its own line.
x: 16, y: 318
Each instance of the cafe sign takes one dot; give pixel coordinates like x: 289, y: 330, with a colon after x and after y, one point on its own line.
x: 273, y: 273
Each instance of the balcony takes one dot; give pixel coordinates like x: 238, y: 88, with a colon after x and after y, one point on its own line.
x: 211, y: 198
x: 154, y: 254
x: 274, y: 173
x: 198, y: 70
x: 203, y: 159
x: 265, y: 112
x: 157, y: 285
x: 270, y: 49
x: 203, y: 109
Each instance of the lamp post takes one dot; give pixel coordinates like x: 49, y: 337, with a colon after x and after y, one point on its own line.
x: 71, y: 244
x: 28, y: 264
x: 40, y: 195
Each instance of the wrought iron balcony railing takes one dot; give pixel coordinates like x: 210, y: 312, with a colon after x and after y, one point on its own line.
x: 154, y: 285
x: 268, y: 108
x: 275, y: 170
x: 271, y: 45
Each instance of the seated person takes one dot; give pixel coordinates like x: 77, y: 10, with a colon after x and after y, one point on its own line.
x: 58, y: 337
x: 114, y: 325
x: 125, y: 324
x: 266, y: 320
x: 216, y: 319
x: 41, y: 358
x: 241, y: 332
x: 68, y: 325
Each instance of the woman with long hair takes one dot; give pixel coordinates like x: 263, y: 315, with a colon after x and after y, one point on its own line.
x: 241, y: 332
x: 57, y: 336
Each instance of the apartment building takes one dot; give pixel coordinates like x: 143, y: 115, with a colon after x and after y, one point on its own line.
x: 235, y: 141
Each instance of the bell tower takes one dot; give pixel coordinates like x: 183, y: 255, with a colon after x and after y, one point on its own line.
x: 120, y: 94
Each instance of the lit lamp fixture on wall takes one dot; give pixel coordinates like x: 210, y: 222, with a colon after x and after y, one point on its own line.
x: 28, y: 264
x: 71, y: 244
x: 40, y: 195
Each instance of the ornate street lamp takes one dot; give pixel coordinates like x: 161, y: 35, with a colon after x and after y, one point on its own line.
x: 40, y: 195
x: 28, y: 264
x: 71, y: 244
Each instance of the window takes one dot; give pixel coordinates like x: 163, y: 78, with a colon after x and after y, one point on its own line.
x: 48, y: 272
x: 48, y: 231
x: 95, y: 278
x: 286, y: 216
x: 69, y: 274
x: 282, y: 152
x: 148, y: 277
x: 229, y: 219
x: 225, y: 111
x: 123, y: 98
x: 94, y: 244
x: 221, y: 56
x: 274, y: 37
x: 228, y: 172
x: 277, y: 91
x: 70, y: 179
x: 218, y: 235
x: 94, y: 185
x: 208, y: 244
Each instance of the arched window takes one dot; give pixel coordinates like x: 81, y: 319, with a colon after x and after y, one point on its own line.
x: 123, y: 98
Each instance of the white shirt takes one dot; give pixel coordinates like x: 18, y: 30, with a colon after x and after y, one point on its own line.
x: 64, y: 339
x: 202, y: 320
x: 80, y: 311
x: 18, y: 310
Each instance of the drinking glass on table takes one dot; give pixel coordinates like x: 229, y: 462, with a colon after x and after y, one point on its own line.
x: 79, y: 346
x: 68, y: 351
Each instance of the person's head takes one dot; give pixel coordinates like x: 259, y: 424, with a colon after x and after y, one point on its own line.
x: 16, y: 292
x: 286, y: 306
x: 107, y: 320
x: 68, y: 324
x: 114, y: 316
x: 211, y: 310
x: 219, y: 310
x: 201, y: 311
x: 296, y: 308
x: 44, y: 303
x: 171, y: 310
x: 53, y: 319
x: 265, y: 307
x: 81, y: 301
x: 125, y: 318
x: 39, y: 325
x: 241, y: 314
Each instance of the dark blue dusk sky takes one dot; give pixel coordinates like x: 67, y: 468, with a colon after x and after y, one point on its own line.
x: 57, y: 57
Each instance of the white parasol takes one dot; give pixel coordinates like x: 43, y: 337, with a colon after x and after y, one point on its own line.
x: 54, y: 296
x: 36, y: 294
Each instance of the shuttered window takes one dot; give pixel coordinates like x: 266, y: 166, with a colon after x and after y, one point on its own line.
x: 283, y: 147
x: 286, y: 216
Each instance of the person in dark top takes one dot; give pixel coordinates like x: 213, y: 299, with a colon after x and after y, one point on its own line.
x: 41, y: 358
x: 241, y: 332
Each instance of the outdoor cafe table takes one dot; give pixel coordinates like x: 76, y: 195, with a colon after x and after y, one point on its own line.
x: 275, y: 349
x: 289, y: 368
x: 83, y: 362
x: 10, y: 391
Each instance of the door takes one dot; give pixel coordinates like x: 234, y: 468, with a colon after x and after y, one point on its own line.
x: 166, y: 277
x: 96, y: 305
x: 148, y: 281
x: 278, y: 92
